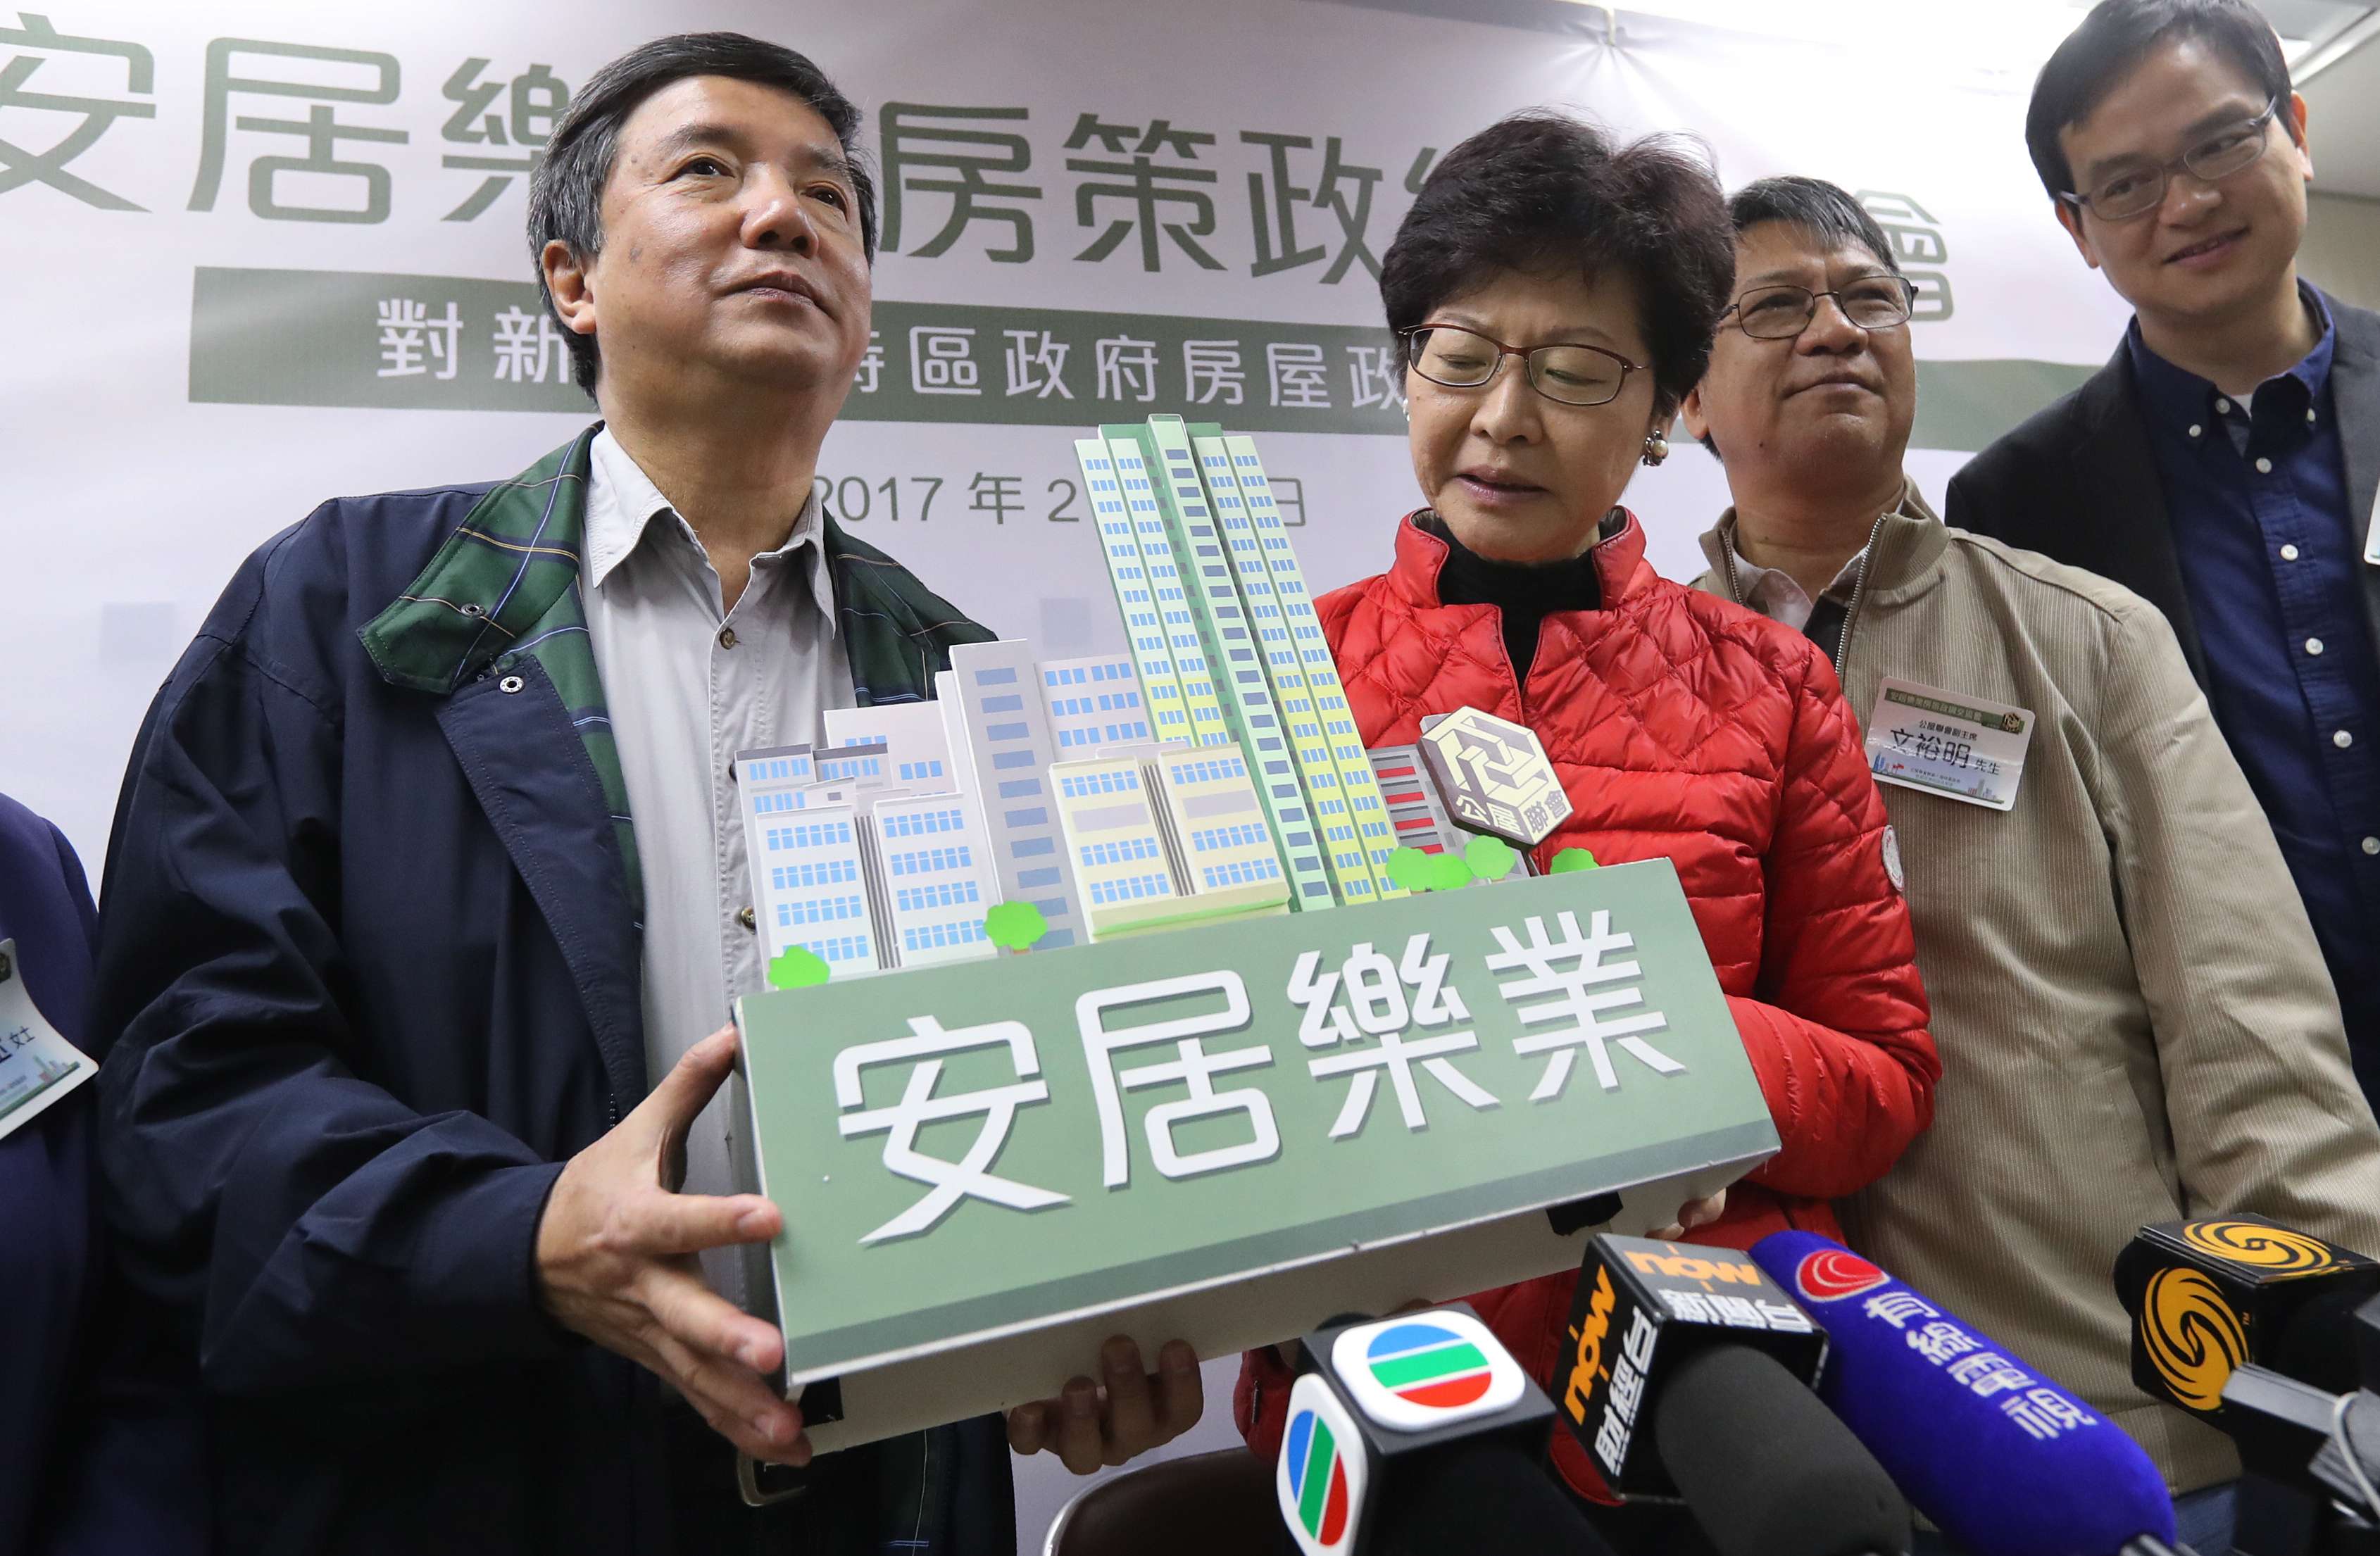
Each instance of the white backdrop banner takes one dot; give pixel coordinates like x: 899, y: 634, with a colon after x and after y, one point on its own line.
x: 262, y: 252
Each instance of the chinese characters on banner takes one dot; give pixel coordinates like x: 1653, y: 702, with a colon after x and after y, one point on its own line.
x: 1151, y: 193
x: 458, y: 342
x: 310, y: 131
x: 1371, y: 1016
x: 1148, y: 192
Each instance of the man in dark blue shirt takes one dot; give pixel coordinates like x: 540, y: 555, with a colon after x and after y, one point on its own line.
x: 2224, y: 463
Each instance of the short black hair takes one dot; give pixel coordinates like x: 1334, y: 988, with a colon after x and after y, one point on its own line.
x: 1542, y: 191
x: 1827, y: 211
x: 565, y: 193
x: 2116, y: 36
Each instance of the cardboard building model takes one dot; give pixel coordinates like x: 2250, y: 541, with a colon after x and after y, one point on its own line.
x: 1226, y: 1135
x: 1211, y: 769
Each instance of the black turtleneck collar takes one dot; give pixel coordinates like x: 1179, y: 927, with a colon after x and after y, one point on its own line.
x: 1526, y: 592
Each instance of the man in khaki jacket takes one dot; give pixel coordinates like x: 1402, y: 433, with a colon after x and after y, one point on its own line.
x: 2135, y: 1022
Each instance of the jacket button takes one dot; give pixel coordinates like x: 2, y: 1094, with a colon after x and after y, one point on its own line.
x: 510, y: 684
x: 743, y: 916
x: 726, y: 637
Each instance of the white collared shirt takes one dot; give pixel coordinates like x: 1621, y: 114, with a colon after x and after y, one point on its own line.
x: 1775, y: 593
x: 688, y: 685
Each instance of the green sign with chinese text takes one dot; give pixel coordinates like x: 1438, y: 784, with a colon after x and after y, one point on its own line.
x: 995, y: 1145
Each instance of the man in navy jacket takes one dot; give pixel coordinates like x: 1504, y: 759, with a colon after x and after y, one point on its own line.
x: 387, y: 1130
x: 2225, y: 465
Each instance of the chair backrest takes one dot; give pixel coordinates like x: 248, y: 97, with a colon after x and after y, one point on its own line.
x: 1207, y: 1504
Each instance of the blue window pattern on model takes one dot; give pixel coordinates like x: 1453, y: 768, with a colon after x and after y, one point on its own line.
x: 923, y: 821
x: 823, y: 910
x: 1137, y: 886
x: 927, y: 936
x: 817, y: 834
x: 948, y: 893
x: 1125, y: 782
x: 1210, y: 771
x: 914, y: 770
x: 1242, y: 873
x: 766, y: 805
x: 1206, y: 842
x: 928, y: 861
x: 785, y: 878
x: 841, y: 948
x: 1118, y: 852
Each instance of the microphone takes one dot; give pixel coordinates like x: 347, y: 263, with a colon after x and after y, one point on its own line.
x: 2312, y: 1486
x: 1419, y: 1435
x: 2002, y: 1459
x: 1701, y: 1344
x: 2207, y: 1297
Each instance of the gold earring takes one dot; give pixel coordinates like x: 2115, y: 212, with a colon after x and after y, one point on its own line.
x: 1656, y: 448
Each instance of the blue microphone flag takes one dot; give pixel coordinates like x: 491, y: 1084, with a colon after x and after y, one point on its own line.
x: 2004, y: 1459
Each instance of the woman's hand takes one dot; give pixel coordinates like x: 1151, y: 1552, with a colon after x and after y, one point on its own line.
x: 1691, y: 1214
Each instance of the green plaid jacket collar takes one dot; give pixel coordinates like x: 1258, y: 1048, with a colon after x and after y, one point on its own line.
x: 505, y: 584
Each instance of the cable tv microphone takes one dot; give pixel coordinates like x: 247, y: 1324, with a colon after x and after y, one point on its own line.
x: 2207, y: 1297
x: 2002, y: 1459
x: 1419, y: 1435
x: 1699, y: 1347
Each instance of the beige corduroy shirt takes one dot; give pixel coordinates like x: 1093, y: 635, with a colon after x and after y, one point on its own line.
x: 2134, y: 1023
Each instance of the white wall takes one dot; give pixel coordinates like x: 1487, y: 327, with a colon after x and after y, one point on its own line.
x: 2341, y: 254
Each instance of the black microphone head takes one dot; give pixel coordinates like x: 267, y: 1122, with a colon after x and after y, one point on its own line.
x: 1485, y: 1497
x: 2278, y: 1424
x: 1767, y: 1469
x: 2207, y: 1296
x: 2316, y: 1343
x: 2367, y: 1343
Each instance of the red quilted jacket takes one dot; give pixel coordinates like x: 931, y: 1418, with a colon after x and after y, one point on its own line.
x: 1687, y: 727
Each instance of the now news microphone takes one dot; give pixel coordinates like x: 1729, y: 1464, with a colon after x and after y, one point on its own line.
x: 1702, y: 1348
x: 2003, y: 1460
x: 2207, y: 1297
x: 1419, y: 1435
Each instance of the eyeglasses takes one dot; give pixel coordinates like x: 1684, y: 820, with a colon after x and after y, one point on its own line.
x: 2136, y: 191
x: 1567, y: 374
x: 1872, y: 302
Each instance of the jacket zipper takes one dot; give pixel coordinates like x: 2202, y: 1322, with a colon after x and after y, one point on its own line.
x: 1859, y: 588
x: 1850, y: 611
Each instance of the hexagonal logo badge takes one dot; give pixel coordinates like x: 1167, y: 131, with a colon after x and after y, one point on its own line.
x: 1493, y: 776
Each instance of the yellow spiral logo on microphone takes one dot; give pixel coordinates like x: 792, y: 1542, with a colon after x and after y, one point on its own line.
x: 2192, y: 1337
x: 2274, y: 1249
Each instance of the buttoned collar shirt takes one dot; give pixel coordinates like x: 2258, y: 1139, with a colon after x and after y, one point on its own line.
x: 689, y: 683
x: 2256, y: 493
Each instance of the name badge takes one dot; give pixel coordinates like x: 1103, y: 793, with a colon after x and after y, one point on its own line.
x: 37, y: 1067
x: 1947, y: 743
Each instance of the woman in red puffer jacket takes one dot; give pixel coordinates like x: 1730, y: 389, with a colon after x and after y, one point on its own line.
x: 1556, y: 297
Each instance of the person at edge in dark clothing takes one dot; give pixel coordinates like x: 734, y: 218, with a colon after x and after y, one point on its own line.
x: 2225, y: 464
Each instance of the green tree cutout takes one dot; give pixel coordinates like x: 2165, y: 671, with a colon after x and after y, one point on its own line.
x: 1483, y: 858
x: 1409, y: 870
x: 1015, y: 926
x: 797, y: 966
x: 1417, y: 871
x: 1490, y: 858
